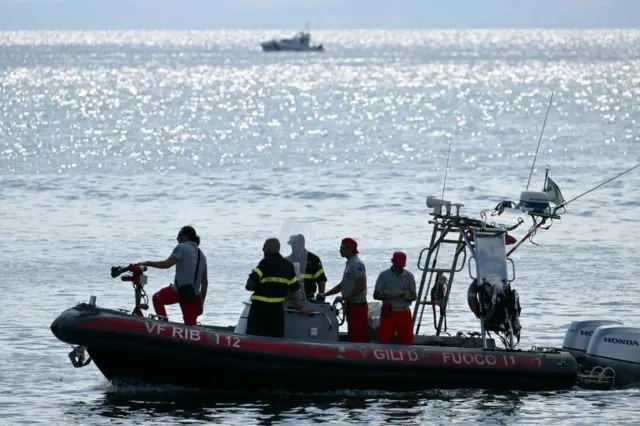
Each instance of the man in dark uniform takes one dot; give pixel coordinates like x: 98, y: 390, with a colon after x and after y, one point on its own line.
x: 270, y: 282
x: 310, y: 267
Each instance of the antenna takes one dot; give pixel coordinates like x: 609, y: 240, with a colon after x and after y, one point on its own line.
x: 446, y: 169
x: 602, y: 184
x: 539, y: 140
x: 546, y: 178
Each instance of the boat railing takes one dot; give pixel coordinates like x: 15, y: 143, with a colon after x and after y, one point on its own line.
x: 446, y: 225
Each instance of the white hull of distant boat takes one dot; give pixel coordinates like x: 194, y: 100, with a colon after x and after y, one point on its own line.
x: 279, y: 46
x: 301, y: 42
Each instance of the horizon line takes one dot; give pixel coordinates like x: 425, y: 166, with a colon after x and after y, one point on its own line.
x: 297, y: 29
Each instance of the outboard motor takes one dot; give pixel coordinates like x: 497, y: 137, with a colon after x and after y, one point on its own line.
x: 616, y: 347
x: 578, y: 335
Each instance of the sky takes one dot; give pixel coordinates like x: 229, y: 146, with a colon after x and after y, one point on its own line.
x: 320, y: 14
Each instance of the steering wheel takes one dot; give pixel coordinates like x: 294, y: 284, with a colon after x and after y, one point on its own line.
x: 340, y: 310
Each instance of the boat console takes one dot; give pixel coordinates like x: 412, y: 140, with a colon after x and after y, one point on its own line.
x: 321, y: 325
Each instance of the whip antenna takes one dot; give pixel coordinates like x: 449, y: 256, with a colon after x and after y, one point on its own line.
x: 446, y: 169
x: 539, y: 140
x: 598, y: 186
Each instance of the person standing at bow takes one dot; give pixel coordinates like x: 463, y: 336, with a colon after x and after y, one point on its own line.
x: 189, y: 287
x: 310, y: 267
x: 270, y: 282
x: 354, y: 292
x: 396, y: 288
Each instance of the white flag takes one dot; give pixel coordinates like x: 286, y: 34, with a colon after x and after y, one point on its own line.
x: 553, y: 192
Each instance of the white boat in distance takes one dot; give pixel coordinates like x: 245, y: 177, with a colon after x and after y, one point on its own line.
x: 301, y: 42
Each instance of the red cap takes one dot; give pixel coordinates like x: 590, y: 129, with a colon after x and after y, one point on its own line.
x: 399, y: 259
x: 351, y: 243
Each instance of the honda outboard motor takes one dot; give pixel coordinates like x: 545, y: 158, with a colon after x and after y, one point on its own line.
x: 616, y: 347
x: 578, y: 336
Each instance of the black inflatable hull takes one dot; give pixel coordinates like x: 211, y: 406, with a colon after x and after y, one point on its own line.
x: 126, y: 348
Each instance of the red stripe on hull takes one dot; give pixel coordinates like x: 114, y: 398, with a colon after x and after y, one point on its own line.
x: 375, y: 353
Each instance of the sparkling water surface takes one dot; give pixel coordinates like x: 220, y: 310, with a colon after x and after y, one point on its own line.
x: 111, y: 141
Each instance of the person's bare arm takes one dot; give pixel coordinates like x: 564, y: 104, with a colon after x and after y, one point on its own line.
x: 160, y: 264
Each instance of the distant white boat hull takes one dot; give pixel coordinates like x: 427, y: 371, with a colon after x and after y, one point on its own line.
x: 278, y: 46
x: 301, y: 42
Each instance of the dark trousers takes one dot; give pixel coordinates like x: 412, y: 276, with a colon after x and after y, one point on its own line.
x: 310, y: 289
x: 266, y: 319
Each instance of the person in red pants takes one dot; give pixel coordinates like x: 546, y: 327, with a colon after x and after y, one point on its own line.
x: 354, y: 292
x: 396, y: 288
x: 189, y: 287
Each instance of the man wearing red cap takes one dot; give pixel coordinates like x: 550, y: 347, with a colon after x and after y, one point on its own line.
x: 396, y: 288
x: 354, y: 292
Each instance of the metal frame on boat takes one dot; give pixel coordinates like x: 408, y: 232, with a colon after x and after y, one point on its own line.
x: 485, y: 241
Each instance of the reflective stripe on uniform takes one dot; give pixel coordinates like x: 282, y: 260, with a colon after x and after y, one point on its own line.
x: 267, y: 299
x: 313, y: 276
x: 258, y: 271
x: 317, y: 274
x: 275, y: 278
x: 278, y: 280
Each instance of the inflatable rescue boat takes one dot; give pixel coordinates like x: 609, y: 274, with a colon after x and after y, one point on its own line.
x: 128, y: 347
x: 315, y: 356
